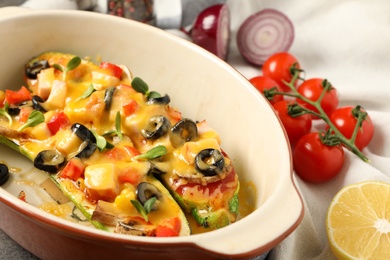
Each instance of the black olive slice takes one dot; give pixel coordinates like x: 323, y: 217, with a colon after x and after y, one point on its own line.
x: 183, y: 131
x: 209, y: 162
x: 108, y: 95
x: 146, y: 191
x: 83, y: 132
x: 32, y: 70
x: 87, y: 151
x: 13, y: 111
x: 4, y: 173
x: 36, y: 103
x: 155, y: 170
x: 85, y: 135
x: 162, y: 100
x: 49, y: 160
x: 157, y: 127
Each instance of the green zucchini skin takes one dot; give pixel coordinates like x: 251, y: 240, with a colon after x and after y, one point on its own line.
x: 82, y: 209
x: 205, y: 216
x: 11, y: 144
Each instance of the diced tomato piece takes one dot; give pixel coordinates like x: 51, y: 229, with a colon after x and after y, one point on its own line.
x: 116, y: 154
x: 169, y: 228
x: 130, y: 176
x: 58, y: 121
x: 130, y: 107
x: 73, y: 170
x: 24, y: 114
x: 16, y: 97
x: 114, y: 70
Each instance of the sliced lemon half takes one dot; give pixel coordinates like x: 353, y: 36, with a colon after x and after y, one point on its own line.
x: 358, y: 221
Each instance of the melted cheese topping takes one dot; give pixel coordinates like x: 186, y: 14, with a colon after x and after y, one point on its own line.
x: 112, y: 175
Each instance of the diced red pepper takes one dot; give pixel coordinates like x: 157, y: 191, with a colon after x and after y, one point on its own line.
x: 73, y: 170
x: 174, y: 114
x: 169, y: 228
x: 130, y: 107
x: 130, y: 176
x: 132, y: 151
x: 24, y: 114
x: 58, y: 121
x: 16, y: 97
x: 114, y: 70
x: 116, y: 154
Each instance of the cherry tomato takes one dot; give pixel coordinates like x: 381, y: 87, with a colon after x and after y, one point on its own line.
x: 345, y: 120
x: 312, y: 89
x: 278, y: 67
x: 316, y: 162
x: 296, y: 127
x: 266, y: 86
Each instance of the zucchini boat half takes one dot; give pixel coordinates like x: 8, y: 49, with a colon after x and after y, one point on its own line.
x: 128, y: 160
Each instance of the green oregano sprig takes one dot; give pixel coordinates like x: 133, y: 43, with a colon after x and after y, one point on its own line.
x: 146, y: 208
x: 35, y: 118
x: 4, y: 112
x: 87, y: 92
x: 141, y: 86
x: 153, y: 153
x: 101, y: 141
x: 117, y: 131
x: 71, y: 65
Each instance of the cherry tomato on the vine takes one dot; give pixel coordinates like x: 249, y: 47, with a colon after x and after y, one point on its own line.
x: 344, y: 118
x: 266, y: 86
x: 296, y: 127
x: 312, y: 90
x: 316, y: 162
x: 278, y: 67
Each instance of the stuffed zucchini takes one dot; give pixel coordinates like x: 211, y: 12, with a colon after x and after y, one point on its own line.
x: 128, y: 160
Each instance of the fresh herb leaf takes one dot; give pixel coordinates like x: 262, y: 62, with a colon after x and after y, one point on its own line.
x: 144, y: 209
x: 58, y: 67
x: 118, y: 122
x: 73, y: 63
x: 87, y: 92
x: 4, y: 112
x: 153, y: 153
x: 149, y: 204
x: 154, y: 94
x: 101, y: 142
x: 117, y: 130
x: 139, y: 85
x: 36, y: 117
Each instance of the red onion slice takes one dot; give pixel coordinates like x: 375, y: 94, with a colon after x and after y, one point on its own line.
x: 263, y: 34
x: 211, y: 30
